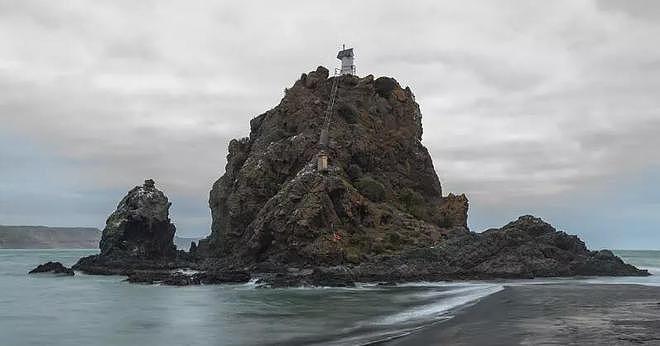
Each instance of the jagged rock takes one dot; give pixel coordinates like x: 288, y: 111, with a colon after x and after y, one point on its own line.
x: 312, y: 79
x: 140, y: 227
x: 384, y: 86
x: 178, y: 278
x: 380, y: 195
x: 377, y: 214
x: 223, y: 276
x: 454, y: 210
x: 52, y: 268
x: 525, y: 248
x: 137, y: 235
x: 152, y: 277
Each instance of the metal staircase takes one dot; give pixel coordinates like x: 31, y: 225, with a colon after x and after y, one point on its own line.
x: 331, y: 102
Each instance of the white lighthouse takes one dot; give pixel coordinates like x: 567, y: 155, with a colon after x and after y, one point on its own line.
x: 346, y: 57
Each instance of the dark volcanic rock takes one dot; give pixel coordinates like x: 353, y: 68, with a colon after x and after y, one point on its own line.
x: 140, y: 227
x: 380, y: 195
x: 531, y: 247
x: 337, y: 276
x: 220, y: 277
x: 138, y: 235
x: 179, y: 278
x: 526, y: 248
x: 103, y: 265
x: 52, y: 268
x: 378, y: 211
x: 376, y: 214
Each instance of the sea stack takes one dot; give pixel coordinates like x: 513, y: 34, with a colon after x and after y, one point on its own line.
x: 379, y: 193
x: 140, y: 227
x: 373, y: 208
x: 138, y: 233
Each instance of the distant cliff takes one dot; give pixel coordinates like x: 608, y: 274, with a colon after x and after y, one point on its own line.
x: 42, y: 237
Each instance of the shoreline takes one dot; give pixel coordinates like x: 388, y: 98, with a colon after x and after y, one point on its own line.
x: 585, y: 314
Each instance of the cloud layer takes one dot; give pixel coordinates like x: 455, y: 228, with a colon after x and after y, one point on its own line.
x: 526, y: 105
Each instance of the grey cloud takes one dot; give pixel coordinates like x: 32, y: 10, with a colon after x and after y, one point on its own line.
x: 498, y: 72
x: 137, y: 48
x: 647, y: 9
x: 522, y: 103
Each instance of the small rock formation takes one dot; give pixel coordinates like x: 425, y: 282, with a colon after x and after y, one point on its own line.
x: 138, y: 233
x: 177, y: 278
x: 380, y: 194
x: 140, y: 227
x: 52, y: 268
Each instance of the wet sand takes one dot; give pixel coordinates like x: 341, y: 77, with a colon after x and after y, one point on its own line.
x: 555, y: 314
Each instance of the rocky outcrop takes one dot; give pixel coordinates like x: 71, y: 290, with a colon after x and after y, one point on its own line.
x: 377, y: 213
x: 380, y: 194
x: 140, y: 227
x: 137, y: 235
x: 181, y: 278
x: 525, y: 248
x: 56, y: 268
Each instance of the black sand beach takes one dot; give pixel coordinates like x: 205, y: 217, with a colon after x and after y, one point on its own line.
x: 553, y: 314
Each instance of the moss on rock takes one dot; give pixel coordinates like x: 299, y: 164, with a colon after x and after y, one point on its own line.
x: 371, y: 188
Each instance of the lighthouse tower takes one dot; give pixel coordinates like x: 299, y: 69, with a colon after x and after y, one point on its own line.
x: 347, y: 68
x: 346, y: 57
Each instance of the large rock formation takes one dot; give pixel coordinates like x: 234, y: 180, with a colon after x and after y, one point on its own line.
x: 137, y: 234
x: 376, y: 214
x: 380, y: 194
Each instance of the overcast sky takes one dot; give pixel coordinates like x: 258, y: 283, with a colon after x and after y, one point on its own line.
x: 543, y: 107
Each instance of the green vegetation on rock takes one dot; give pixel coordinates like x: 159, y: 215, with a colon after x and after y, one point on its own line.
x: 371, y: 188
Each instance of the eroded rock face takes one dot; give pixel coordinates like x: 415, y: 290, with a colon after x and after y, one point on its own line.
x: 138, y: 236
x: 140, y: 227
x: 380, y: 195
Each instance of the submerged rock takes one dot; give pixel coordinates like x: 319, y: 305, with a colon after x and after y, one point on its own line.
x: 52, y: 268
x: 180, y: 278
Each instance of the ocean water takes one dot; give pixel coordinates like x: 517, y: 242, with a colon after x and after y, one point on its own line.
x: 105, y: 310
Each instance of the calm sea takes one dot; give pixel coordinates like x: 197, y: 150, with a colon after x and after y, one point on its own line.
x: 98, y: 310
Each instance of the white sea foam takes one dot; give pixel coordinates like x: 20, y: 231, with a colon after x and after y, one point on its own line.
x: 460, y: 297
x: 186, y: 271
x: 250, y: 284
